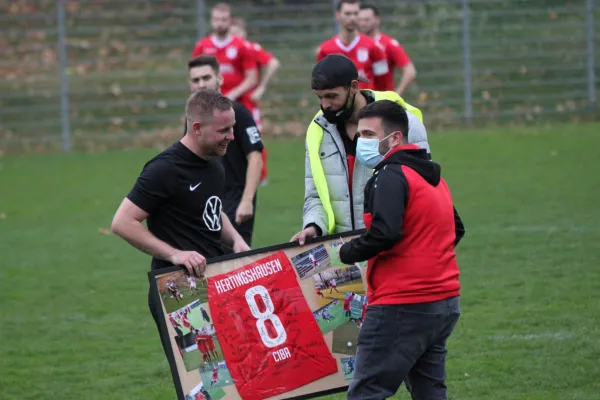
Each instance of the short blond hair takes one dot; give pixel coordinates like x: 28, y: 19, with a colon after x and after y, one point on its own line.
x: 222, y: 7
x: 202, y: 104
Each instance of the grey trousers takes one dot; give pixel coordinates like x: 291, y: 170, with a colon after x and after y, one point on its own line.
x: 404, y: 343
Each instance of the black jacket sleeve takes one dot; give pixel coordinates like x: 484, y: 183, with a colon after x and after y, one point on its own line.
x: 247, y: 133
x: 459, y: 228
x: 387, y: 201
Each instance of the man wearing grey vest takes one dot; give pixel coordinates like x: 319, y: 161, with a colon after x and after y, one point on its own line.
x: 334, y: 178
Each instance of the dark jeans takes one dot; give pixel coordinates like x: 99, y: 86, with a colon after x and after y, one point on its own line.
x: 404, y: 343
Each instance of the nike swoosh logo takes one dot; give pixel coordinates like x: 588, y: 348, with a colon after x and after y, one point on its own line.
x: 192, y: 188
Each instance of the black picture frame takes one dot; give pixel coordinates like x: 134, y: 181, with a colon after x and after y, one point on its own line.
x: 163, y: 331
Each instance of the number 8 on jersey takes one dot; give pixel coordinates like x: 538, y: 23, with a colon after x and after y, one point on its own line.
x: 269, y: 337
x: 266, y: 315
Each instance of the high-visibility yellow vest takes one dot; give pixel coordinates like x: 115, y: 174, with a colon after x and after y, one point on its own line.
x: 314, y: 136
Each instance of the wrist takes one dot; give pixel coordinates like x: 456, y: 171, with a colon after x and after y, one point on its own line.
x: 170, y: 256
x: 341, y: 253
x: 315, y: 227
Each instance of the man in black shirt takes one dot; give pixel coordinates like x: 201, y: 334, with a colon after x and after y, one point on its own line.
x: 243, y: 161
x: 180, y: 193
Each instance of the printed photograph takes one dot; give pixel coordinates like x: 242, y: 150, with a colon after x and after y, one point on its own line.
x: 178, y: 289
x: 347, y: 367
x: 341, y: 295
x: 196, y: 335
x: 334, y: 283
x: 333, y: 256
x: 199, y: 393
x: 200, y: 347
x: 189, y: 318
x: 215, y: 376
x: 311, y: 261
x: 330, y: 317
x: 335, y: 260
x: 345, y: 333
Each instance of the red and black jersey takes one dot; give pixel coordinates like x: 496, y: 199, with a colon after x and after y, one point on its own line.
x: 412, y: 229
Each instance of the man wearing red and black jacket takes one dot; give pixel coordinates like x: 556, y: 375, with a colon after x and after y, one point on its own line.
x: 412, y: 275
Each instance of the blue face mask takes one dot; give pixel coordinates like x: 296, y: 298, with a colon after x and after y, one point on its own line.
x: 367, y: 151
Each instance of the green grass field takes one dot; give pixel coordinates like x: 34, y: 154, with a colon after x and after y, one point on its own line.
x: 224, y: 379
x: 216, y: 393
x: 344, y: 334
x: 73, y: 316
x: 171, y: 304
x: 338, y: 318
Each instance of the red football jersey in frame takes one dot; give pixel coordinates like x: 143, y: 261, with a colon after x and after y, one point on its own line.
x: 271, y: 342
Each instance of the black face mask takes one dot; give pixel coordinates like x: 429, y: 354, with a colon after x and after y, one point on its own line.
x: 341, y: 115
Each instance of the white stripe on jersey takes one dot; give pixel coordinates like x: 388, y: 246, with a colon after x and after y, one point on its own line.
x: 380, y: 68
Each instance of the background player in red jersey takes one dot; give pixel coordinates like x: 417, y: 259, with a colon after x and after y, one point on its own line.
x: 263, y: 59
x: 369, y: 22
x: 174, y: 322
x: 270, y: 64
x: 201, y: 343
x: 210, y: 346
x: 215, y: 376
x: 185, y: 321
x: 235, y: 57
x: 368, y: 56
x: 347, y: 301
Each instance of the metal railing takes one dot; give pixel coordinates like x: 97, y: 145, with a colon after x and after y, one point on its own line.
x: 88, y: 72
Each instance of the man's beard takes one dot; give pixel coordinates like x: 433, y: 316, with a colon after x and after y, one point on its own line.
x: 221, y: 31
x: 351, y: 27
x: 342, y: 114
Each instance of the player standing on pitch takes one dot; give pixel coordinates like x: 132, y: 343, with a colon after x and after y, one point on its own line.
x: 369, y: 22
x: 238, y: 66
x: 368, y: 56
x: 179, y: 193
x: 243, y: 161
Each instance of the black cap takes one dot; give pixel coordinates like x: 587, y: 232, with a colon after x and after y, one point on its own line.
x: 333, y: 71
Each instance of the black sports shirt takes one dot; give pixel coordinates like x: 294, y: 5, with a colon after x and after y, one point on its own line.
x: 182, y: 193
x: 246, y: 140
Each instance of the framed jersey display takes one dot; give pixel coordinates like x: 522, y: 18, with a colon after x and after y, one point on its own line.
x: 274, y: 323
